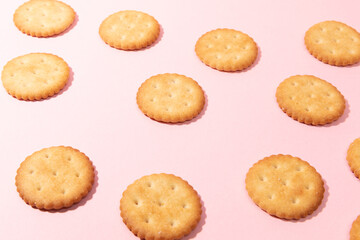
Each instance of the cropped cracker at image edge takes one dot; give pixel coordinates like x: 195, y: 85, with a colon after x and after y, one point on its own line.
x: 353, y: 157
x: 334, y: 43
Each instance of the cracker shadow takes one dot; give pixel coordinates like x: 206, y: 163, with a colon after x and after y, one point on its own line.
x: 254, y: 64
x: 347, y: 66
x: 161, y: 34
x: 200, y: 224
x: 343, y: 117
x: 64, y: 89
x: 340, y: 120
x: 199, y: 116
x: 353, y: 65
x: 195, y: 119
x: 68, y: 84
x: 83, y: 201
x: 318, y: 210
x: 76, y: 20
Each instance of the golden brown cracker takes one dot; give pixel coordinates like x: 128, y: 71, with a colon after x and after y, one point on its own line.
x: 353, y: 157
x: 226, y: 50
x: 160, y: 207
x: 355, y: 229
x: 35, y: 76
x: 54, y: 178
x: 129, y: 30
x: 285, y: 186
x: 43, y: 18
x: 334, y: 43
x: 171, y: 98
x: 310, y: 100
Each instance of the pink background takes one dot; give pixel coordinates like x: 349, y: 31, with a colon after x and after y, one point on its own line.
x: 241, y: 122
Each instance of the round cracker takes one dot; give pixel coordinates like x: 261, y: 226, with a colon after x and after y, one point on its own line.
x: 285, y: 186
x: 129, y: 30
x: 334, y: 43
x: 54, y: 177
x: 171, y: 98
x: 355, y: 229
x: 226, y: 50
x: 310, y: 100
x: 35, y: 76
x: 353, y: 157
x: 43, y: 18
x: 160, y: 207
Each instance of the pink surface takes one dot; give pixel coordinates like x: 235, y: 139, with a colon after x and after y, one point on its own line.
x: 241, y: 123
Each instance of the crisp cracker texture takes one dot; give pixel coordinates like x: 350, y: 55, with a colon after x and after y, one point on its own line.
x: 35, y: 76
x: 355, y: 229
x: 353, y: 157
x: 129, y: 30
x: 54, y: 178
x: 226, y: 50
x: 43, y: 18
x: 310, y: 100
x: 170, y: 98
x: 285, y: 186
x: 334, y: 43
x: 160, y: 207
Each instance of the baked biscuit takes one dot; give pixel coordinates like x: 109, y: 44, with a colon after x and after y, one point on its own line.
x: 355, y: 229
x: 226, y: 50
x: 129, y: 30
x: 353, y: 157
x: 310, y: 100
x: 54, y: 178
x: 43, y: 18
x: 285, y: 186
x: 334, y: 43
x: 35, y: 76
x: 160, y: 207
x: 171, y: 98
